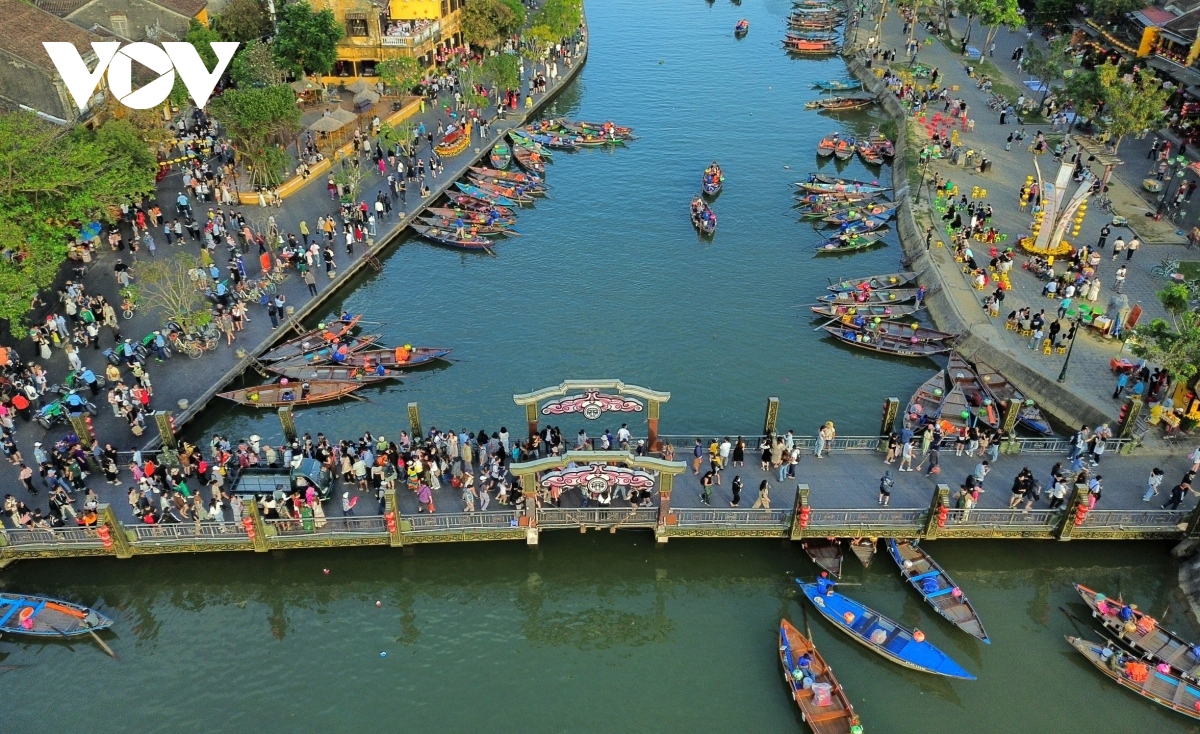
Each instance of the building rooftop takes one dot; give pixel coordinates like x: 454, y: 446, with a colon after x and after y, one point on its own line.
x: 186, y: 8
x: 61, y: 8
x: 26, y: 27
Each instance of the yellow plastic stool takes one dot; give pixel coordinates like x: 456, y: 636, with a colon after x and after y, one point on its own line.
x: 1046, y: 346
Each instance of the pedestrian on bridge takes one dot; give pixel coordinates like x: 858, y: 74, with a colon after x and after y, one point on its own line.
x: 764, y: 497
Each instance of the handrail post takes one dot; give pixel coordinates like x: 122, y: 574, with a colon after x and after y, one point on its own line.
x: 395, y: 538
x: 116, y: 530
x: 891, y: 408
x: 666, y: 482
x: 1067, y: 525
x: 941, y: 498
x: 288, y: 422
x: 772, y: 418
x: 798, y: 531
x: 260, y: 526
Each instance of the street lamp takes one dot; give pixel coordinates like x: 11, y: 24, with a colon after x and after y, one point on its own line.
x: 1062, y: 376
x: 926, y: 159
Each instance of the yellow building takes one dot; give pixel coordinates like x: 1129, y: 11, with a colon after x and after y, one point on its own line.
x: 376, y: 30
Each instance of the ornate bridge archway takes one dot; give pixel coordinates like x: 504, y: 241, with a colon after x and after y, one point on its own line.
x: 590, y: 399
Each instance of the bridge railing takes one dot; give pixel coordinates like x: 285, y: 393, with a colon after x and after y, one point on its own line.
x: 79, y: 537
x: 902, y: 521
x: 349, y: 525
x: 1004, y: 519
x: 808, y: 444
x: 564, y: 517
x: 189, y: 532
x: 695, y: 517
x: 1135, y: 519
x: 460, y: 521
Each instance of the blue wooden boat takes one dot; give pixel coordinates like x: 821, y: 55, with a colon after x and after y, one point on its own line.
x: 478, y: 193
x: 882, y: 635
x: 935, y: 586
x: 40, y: 616
x: 869, y: 224
x: 837, y: 85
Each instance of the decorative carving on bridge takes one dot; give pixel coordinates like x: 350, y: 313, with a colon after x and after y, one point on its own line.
x: 592, y: 404
x: 596, y: 478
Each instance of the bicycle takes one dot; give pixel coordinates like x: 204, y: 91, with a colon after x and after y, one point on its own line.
x: 1165, y: 269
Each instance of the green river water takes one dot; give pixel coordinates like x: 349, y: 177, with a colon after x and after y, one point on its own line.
x: 596, y: 632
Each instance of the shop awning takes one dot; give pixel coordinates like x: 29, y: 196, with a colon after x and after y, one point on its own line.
x: 1185, y: 75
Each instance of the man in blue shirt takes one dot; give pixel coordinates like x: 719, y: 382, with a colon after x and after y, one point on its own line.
x: 824, y: 585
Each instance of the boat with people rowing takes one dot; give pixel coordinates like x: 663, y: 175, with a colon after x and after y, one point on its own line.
x: 471, y: 216
x: 849, y: 242
x: 43, y: 616
x: 449, y: 238
x: 329, y: 372
x: 454, y: 142
x: 882, y: 635
x: 500, y: 155
x: 879, y: 326
x: 741, y: 28
x: 868, y: 224
x: 399, y: 358
x: 533, y: 161
x: 481, y: 206
x: 868, y: 151
x: 474, y: 229
x: 1029, y: 416
x: 346, y: 345
x: 841, y: 187
x: 967, y: 403
x: 894, y: 310
x: 286, y: 392
x: 936, y: 587
x: 823, y: 703
x: 311, y: 341
x: 885, y: 296
x: 874, y: 282
x: 885, y: 146
x: 604, y: 129
x: 826, y: 553
x: 556, y: 141
x: 1143, y: 633
x: 704, y: 219
x: 483, y: 194
x: 711, y: 181
x: 1165, y: 689
x: 522, y: 178
x: 523, y: 140
x: 898, y: 345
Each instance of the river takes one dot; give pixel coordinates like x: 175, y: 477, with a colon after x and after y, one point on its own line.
x: 597, y: 632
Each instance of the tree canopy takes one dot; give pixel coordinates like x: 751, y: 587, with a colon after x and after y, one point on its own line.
x: 1176, y: 345
x: 402, y: 72
x: 997, y: 14
x: 52, y: 181
x: 254, y: 66
x: 1131, y: 105
x: 562, y: 17
x: 1114, y: 8
x: 503, y: 70
x: 485, y: 22
x: 306, y: 41
x: 259, y: 119
x: 242, y: 21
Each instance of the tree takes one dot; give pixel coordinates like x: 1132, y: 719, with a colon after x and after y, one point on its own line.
x: 1130, y: 106
x: 350, y: 176
x: 1052, y: 11
x: 1085, y: 94
x: 170, y: 285
x: 1047, y: 66
x: 997, y: 14
x: 470, y: 78
x: 971, y: 9
x: 484, y: 22
x: 1114, y: 9
x: 52, y: 181
x: 243, y: 21
x: 306, y: 41
x: 1175, y: 348
x: 402, y: 72
x: 254, y: 66
x: 541, y: 38
x: 402, y: 132
x: 562, y: 17
x: 259, y: 120
x: 200, y: 36
x: 503, y: 70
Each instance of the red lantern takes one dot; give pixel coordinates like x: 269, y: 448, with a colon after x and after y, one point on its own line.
x: 805, y: 512
x: 248, y: 524
x: 389, y: 517
x: 943, y: 514
x: 1081, y: 513
x: 104, y: 535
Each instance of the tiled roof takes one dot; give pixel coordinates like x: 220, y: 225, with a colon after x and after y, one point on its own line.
x: 186, y: 8
x: 27, y: 27
x: 61, y: 8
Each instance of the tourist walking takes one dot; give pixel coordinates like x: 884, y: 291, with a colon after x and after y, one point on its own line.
x: 1153, y: 483
x: 885, y: 488
x: 736, y: 486
x: 764, y: 497
x: 1178, y: 492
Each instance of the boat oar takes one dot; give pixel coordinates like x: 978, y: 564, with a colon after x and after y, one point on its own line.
x: 827, y: 323
x: 104, y: 645
x: 488, y: 250
x: 1103, y: 631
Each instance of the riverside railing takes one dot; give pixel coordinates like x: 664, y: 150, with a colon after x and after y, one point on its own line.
x: 1126, y: 520
x: 1004, y: 519
x: 57, y: 537
x: 563, y: 517
x: 440, y: 523
x: 694, y: 517
x: 902, y: 522
x: 170, y: 533
x: 349, y: 525
x: 841, y: 444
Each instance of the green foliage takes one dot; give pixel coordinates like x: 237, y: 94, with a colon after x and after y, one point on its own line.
x: 1047, y: 65
x: 485, y: 22
x: 562, y: 17
x: 167, y: 285
x: 243, y: 21
x: 1050, y: 11
x: 1084, y: 92
x: 351, y: 179
x: 469, y: 78
x: 1114, y: 9
x: 254, y: 66
x: 1175, y: 298
x: 259, y: 120
x: 401, y: 73
x: 52, y: 180
x: 402, y: 133
x: 1130, y: 107
x: 306, y: 41
x: 503, y: 70
x: 1175, y: 348
x: 200, y: 36
x: 541, y: 38
x: 997, y: 14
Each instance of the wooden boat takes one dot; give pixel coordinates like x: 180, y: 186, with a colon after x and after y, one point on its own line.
x: 483, y: 194
x: 517, y: 194
x: 469, y: 216
x: 865, y: 211
x: 841, y: 103
x: 844, y: 149
x: 741, y: 28
x: 899, y: 346
x: 329, y: 372
x: 552, y: 140
x: 864, y: 550
x: 835, y: 199
x: 473, y: 228
x: 711, y: 181
x: 886, y: 296
x: 475, y: 204
x: 827, y: 145
x: 826, y: 553
x: 875, y: 282
x: 811, y: 34
x: 936, y: 587
x: 835, y: 717
x: 869, y: 152
x: 966, y: 395
x: 841, y: 187
x: 885, y: 147
x: 803, y: 46
x: 523, y: 140
x: 814, y: 21
x: 882, y: 635
x: 530, y: 160
x: 512, y: 177
x: 454, y: 142
x: 860, y: 186
x: 849, y: 242
x: 448, y: 238
x: 396, y: 359
x: 838, y: 85
x: 927, y: 400
x: 41, y: 616
x: 999, y: 388
x: 894, y: 310
x: 704, y: 219
x: 598, y: 128
x: 293, y: 393
x: 868, y: 224
x: 325, y: 353
x: 500, y: 155
x: 1161, y: 688
x: 878, y: 327
x: 311, y: 341
x: 1146, y: 636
